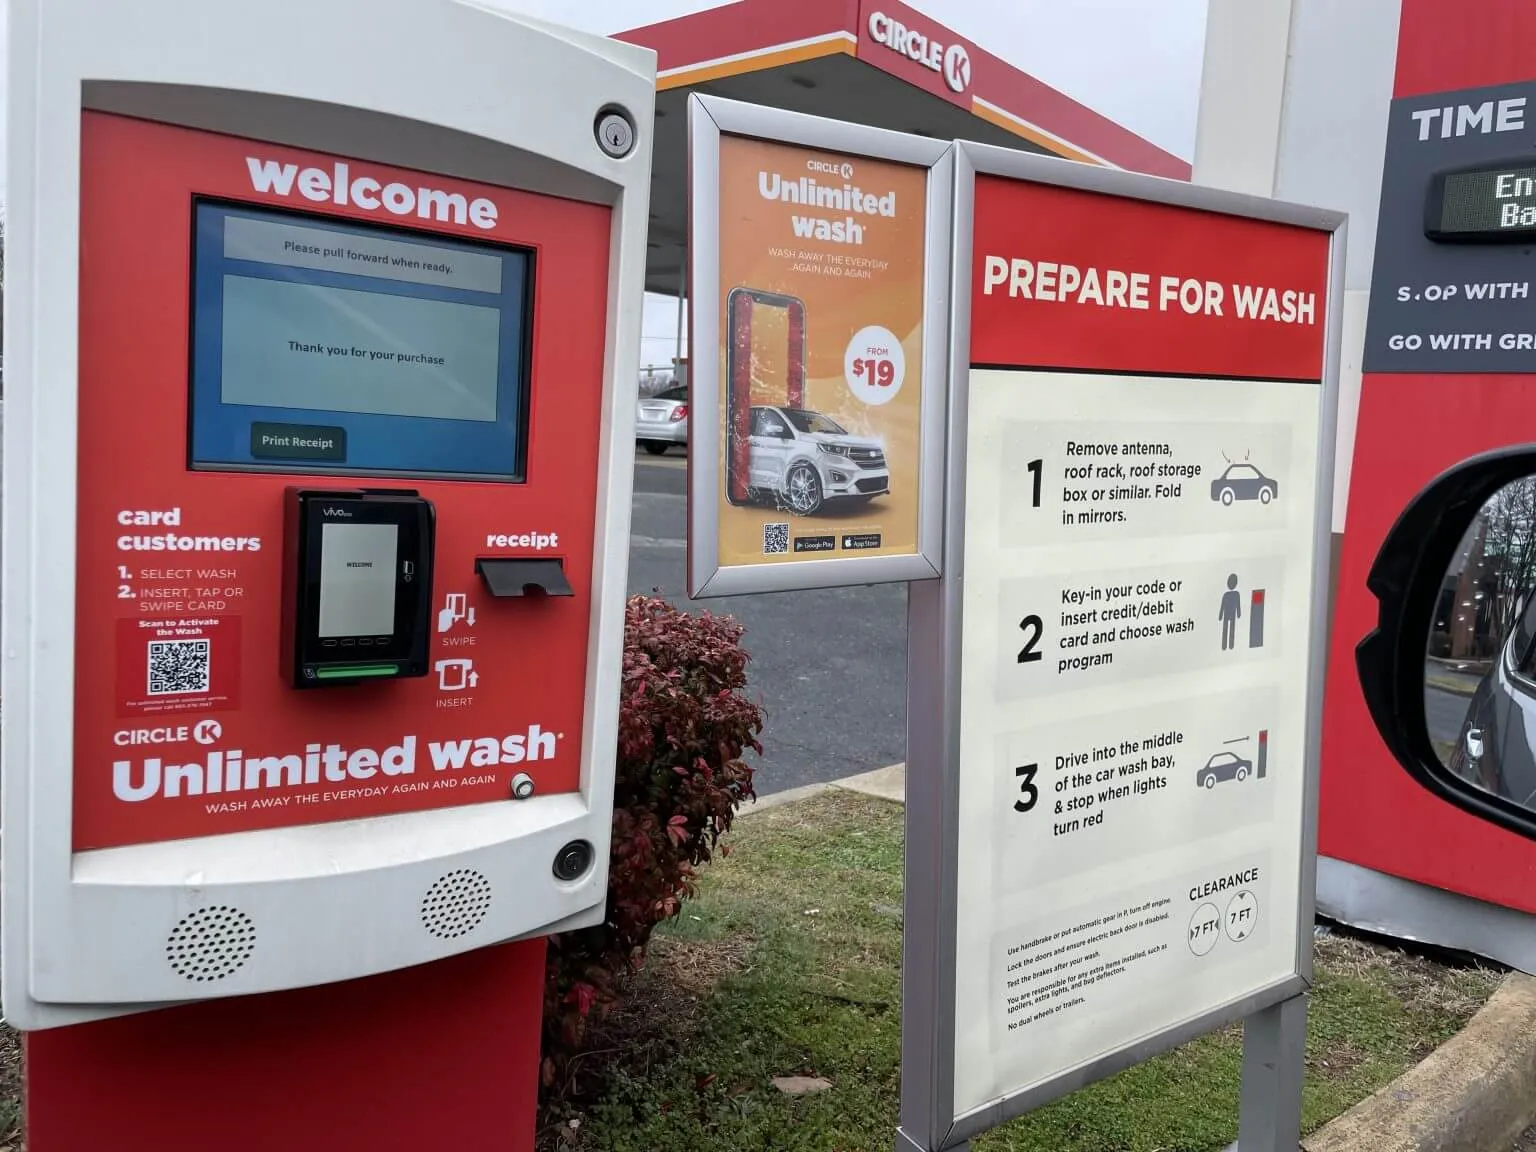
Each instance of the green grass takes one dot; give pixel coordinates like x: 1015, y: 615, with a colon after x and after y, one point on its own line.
x: 788, y: 964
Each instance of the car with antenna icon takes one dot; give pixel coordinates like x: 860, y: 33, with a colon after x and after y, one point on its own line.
x: 1242, y: 481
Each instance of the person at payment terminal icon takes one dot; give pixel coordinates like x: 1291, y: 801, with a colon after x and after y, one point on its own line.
x: 1231, y: 609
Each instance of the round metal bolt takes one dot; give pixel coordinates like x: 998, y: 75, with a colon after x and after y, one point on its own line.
x: 522, y: 786
x: 615, y: 133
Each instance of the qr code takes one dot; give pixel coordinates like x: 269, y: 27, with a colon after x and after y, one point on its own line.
x: 775, y: 539
x: 178, y: 666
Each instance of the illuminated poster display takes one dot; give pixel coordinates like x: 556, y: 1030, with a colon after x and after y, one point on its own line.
x: 814, y: 260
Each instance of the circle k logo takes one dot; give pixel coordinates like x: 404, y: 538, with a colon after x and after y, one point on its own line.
x: 957, y: 68
x: 827, y: 167
x: 204, y: 732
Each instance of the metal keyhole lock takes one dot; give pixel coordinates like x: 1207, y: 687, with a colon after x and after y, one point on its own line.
x: 615, y: 132
x: 522, y: 786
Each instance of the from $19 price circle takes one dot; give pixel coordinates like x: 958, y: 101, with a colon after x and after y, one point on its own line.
x: 874, y: 365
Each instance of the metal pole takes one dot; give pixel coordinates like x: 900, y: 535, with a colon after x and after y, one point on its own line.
x: 1274, y: 1054
x: 682, y: 293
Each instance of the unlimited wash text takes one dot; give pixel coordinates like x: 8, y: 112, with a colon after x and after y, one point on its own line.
x: 849, y: 199
x: 221, y: 772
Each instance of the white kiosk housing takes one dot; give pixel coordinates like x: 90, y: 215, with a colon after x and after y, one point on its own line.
x: 99, y: 924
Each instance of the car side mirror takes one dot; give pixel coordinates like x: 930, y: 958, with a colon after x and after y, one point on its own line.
x: 1449, y: 673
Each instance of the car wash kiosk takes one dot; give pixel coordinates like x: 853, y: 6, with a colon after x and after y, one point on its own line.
x: 322, y: 322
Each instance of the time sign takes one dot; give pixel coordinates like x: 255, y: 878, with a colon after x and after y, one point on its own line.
x: 1486, y: 204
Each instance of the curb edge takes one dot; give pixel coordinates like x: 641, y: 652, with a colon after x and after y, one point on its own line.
x: 1474, y: 1093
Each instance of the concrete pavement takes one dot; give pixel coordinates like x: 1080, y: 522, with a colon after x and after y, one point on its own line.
x: 888, y: 783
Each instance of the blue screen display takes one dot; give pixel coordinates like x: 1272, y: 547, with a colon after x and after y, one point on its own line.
x: 320, y: 346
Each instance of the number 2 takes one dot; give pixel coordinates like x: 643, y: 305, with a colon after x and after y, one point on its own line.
x: 1032, y: 627
x: 1028, y: 793
x: 124, y: 592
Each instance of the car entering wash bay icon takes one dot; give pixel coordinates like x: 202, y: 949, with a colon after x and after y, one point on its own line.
x: 1225, y: 766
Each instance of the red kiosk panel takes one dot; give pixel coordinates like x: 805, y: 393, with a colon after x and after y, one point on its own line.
x: 185, y: 725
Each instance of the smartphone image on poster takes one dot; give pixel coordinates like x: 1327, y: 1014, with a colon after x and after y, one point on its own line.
x: 765, y: 364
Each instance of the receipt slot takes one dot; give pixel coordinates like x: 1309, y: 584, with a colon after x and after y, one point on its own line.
x: 323, y: 331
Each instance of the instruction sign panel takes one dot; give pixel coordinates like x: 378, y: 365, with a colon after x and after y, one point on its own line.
x: 1142, y: 446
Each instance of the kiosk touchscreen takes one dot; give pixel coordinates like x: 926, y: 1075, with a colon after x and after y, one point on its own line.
x: 351, y: 349
x: 319, y: 437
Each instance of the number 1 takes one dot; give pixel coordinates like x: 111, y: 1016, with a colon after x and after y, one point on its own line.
x: 1034, y: 469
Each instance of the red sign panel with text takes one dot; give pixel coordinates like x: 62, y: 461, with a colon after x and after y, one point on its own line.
x: 255, y: 318
x: 1069, y: 279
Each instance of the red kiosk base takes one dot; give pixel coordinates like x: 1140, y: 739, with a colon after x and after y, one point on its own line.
x: 443, y: 1056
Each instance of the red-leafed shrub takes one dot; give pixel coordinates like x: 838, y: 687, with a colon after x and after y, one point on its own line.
x: 684, y: 722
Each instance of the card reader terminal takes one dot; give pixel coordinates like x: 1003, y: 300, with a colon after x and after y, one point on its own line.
x: 358, y: 585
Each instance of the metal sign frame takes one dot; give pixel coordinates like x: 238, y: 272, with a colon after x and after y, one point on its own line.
x: 710, y: 118
x: 1275, y: 1032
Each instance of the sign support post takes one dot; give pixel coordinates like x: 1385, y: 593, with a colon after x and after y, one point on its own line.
x: 1274, y: 1053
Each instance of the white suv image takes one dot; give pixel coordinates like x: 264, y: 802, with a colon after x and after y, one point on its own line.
x: 805, y: 459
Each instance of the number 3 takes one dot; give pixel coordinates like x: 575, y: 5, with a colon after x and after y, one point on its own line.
x: 1028, y: 793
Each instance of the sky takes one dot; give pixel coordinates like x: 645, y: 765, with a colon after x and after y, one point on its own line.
x: 1135, y: 61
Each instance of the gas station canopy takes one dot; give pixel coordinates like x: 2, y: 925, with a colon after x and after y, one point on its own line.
x: 873, y: 62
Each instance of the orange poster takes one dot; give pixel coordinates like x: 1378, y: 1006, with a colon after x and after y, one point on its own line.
x: 821, y: 353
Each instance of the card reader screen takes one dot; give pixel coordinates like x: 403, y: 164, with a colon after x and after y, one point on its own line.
x: 357, y: 579
x: 325, y: 346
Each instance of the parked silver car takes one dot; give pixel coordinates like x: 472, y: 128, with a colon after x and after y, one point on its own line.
x: 662, y: 420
